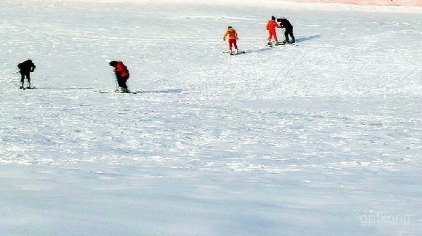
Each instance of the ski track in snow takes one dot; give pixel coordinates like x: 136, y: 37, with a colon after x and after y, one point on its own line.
x: 298, y: 140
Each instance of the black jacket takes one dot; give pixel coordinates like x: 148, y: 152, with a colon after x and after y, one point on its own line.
x: 284, y: 23
x: 26, y: 66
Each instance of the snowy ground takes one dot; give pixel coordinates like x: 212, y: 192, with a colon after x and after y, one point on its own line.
x: 319, y: 139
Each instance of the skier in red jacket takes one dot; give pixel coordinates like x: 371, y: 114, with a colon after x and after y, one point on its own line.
x: 233, y: 37
x: 122, y: 75
x: 271, y: 27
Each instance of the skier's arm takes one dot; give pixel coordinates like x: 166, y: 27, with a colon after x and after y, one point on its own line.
x: 33, y: 68
x: 281, y: 26
x: 225, y: 35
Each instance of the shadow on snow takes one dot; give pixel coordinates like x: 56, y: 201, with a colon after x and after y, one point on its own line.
x: 162, y: 91
x: 259, y: 50
x: 64, y: 89
x: 306, y: 38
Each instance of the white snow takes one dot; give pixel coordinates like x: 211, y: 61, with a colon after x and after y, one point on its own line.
x: 319, y: 139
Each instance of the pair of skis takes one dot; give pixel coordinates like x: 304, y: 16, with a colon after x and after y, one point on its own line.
x: 270, y: 44
x: 23, y: 88
x: 235, y: 53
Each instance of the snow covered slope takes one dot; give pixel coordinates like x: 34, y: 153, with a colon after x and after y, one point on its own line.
x: 323, y: 138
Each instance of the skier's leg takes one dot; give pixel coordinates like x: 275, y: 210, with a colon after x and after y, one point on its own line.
x: 270, y: 36
x: 124, y: 85
x: 119, y: 82
x: 233, y: 44
x: 28, y: 77
x: 291, y: 35
x: 286, y: 36
x: 22, y: 79
x: 275, y: 37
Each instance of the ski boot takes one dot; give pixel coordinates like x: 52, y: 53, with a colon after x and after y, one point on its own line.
x: 122, y: 90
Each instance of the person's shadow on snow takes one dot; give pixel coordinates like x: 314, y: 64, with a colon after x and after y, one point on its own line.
x: 301, y: 39
x: 63, y: 89
x: 306, y: 38
x: 259, y: 50
x: 174, y: 91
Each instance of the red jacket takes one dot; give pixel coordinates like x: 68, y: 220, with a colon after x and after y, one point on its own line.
x: 121, y: 69
x: 272, y: 26
x: 231, y: 33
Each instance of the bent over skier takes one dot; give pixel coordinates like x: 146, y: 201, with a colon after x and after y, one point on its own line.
x: 233, y: 37
x: 25, y: 69
x: 122, y: 75
x: 284, y: 23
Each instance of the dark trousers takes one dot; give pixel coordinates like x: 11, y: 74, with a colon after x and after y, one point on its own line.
x: 289, y: 31
x: 25, y: 74
x: 121, y: 80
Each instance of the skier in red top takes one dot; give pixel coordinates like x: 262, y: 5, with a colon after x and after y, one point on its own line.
x: 233, y: 37
x: 122, y: 75
x: 271, y: 27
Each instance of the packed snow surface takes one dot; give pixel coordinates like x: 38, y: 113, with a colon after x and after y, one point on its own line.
x: 323, y: 138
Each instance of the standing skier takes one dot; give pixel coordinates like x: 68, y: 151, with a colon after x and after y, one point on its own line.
x: 284, y: 23
x: 233, y: 37
x: 25, y: 69
x: 122, y: 75
x: 272, y: 34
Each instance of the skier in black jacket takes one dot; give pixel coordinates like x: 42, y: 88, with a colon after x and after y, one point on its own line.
x: 25, y: 69
x: 284, y: 23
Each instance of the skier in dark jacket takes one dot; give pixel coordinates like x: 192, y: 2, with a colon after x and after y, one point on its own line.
x: 284, y: 23
x: 122, y: 75
x: 25, y: 69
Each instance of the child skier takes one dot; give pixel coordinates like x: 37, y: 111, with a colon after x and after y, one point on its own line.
x: 272, y: 34
x: 122, y: 75
x: 284, y: 23
x: 233, y: 37
x: 25, y: 69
